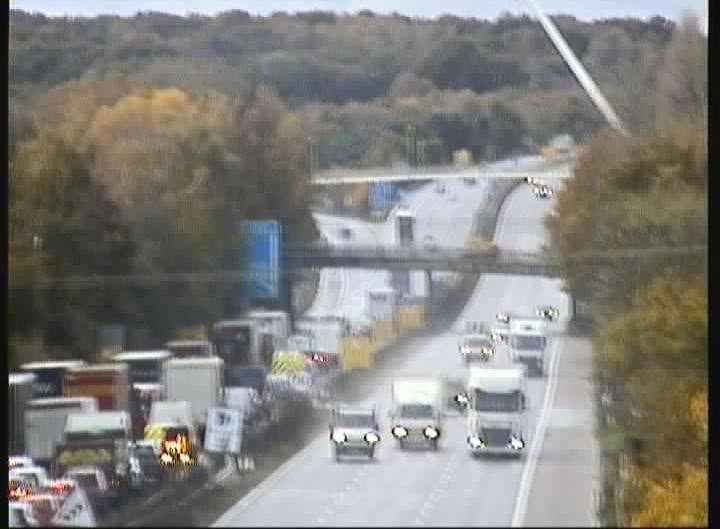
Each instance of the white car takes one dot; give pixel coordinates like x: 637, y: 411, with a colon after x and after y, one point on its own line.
x: 354, y: 430
x: 36, y: 476
x: 542, y: 191
x: 548, y: 312
x: 20, y: 462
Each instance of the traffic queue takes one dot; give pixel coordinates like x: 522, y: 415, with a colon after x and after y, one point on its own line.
x: 139, y: 418
x: 493, y: 398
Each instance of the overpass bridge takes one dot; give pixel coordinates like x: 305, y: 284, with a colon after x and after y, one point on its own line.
x: 558, y: 169
x: 414, y: 258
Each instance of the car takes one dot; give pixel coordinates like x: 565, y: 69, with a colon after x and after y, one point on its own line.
x: 90, y: 478
x: 476, y: 346
x: 440, y: 188
x: 36, y: 476
x: 543, y: 191
x: 429, y: 243
x: 531, y: 180
x: 346, y: 233
x: 354, y: 430
x: 469, y: 181
x: 548, y: 312
x: 20, y: 462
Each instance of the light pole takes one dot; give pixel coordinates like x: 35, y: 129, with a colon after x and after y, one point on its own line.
x: 37, y: 244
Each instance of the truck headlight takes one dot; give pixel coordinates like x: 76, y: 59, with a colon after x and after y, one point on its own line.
x: 339, y: 437
x: 487, y: 351
x: 516, y: 442
x: 372, y: 438
x: 431, y: 432
x: 400, y: 432
x: 166, y: 458
x: 185, y: 459
x: 475, y: 442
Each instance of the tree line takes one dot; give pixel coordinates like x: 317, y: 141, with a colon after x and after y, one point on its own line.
x: 120, y: 178
x: 650, y: 314
x: 357, y: 81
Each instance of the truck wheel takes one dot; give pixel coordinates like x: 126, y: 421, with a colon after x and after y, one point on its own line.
x: 401, y: 443
x: 371, y: 452
x: 434, y: 444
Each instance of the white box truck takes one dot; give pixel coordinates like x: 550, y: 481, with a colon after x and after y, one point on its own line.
x: 496, y: 410
x: 45, y: 423
x: 417, y: 410
x: 198, y: 381
x: 528, y: 342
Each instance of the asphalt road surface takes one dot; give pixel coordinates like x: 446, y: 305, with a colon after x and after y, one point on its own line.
x: 552, y: 484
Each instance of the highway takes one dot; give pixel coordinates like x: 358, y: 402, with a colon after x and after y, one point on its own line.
x: 551, y: 485
x: 447, y: 218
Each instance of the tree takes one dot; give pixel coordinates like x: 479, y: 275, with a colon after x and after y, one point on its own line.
x: 680, y: 502
x: 682, y: 81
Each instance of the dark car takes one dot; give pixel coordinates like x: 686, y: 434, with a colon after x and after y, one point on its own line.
x: 346, y: 233
x: 144, y: 454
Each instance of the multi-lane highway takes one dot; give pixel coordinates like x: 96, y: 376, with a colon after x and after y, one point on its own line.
x: 551, y: 485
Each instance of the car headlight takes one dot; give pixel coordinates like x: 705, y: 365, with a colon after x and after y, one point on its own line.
x: 339, y: 437
x: 465, y: 350
x: 487, y: 351
x: 185, y: 458
x: 516, y: 442
x: 431, y: 432
x: 166, y: 458
x: 400, y: 432
x: 475, y: 442
x: 372, y: 438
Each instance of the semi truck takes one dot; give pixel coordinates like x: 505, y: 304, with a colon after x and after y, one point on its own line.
x: 45, y: 424
x: 417, y: 410
x: 242, y: 342
x: 20, y: 392
x: 198, y: 381
x: 99, y: 439
x: 190, y: 348
x: 108, y: 383
x: 50, y: 376
x: 496, y: 404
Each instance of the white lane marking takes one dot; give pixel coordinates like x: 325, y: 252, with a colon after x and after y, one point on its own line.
x: 537, y: 440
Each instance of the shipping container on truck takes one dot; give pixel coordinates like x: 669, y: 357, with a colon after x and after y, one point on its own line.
x: 20, y: 392
x: 198, y: 381
x: 276, y: 322
x: 50, y: 376
x: 190, y: 348
x: 241, y: 342
x: 45, y: 423
x: 108, y: 383
x: 97, y: 439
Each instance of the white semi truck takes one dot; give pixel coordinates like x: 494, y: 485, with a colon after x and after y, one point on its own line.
x: 496, y: 403
x: 417, y: 410
x: 528, y: 342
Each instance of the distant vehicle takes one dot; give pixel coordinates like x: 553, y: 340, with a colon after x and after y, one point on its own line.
x: 89, y: 478
x: 440, y: 188
x: 108, y: 383
x: 345, y: 233
x: 542, y: 191
x: 50, y: 376
x: 548, y: 312
x: 198, y: 381
x: 42, y: 509
x: 476, y: 346
x: 429, y: 243
x: 189, y: 348
x: 469, y: 181
x: 417, y: 410
x: 528, y: 343
x: 20, y: 462
x: 35, y: 477
x: 532, y: 180
x: 20, y: 392
x: 496, y: 404
x: 45, y: 423
x: 354, y: 430
x: 144, y: 455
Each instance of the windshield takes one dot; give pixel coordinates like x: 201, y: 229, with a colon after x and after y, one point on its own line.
x: 532, y: 343
x: 354, y: 420
x: 497, y: 402
x: 416, y: 411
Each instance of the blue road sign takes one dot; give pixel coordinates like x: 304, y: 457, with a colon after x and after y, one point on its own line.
x: 263, y: 242
x: 382, y: 195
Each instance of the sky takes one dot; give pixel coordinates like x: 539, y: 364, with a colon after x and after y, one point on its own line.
x: 488, y: 9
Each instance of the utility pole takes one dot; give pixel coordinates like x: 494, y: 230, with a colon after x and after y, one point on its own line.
x: 576, y: 67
